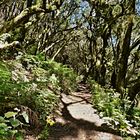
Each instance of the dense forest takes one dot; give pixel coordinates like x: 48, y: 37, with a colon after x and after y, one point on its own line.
x: 51, y: 47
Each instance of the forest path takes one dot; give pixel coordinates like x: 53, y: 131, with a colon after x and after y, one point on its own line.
x: 79, y: 120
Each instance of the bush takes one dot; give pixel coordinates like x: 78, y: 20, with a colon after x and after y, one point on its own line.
x: 114, y: 110
x: 65, y: 76
x: 9, y: 125
x: 33, y: 86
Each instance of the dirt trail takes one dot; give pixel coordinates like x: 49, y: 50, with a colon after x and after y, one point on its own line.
x: 79, y: 120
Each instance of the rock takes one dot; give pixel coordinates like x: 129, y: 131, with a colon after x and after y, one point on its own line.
x: 80, y: 121
x: 84, y: 112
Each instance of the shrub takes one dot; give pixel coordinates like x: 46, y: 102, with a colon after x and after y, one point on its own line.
x: 9, y: 125
x: 34, y: 87
x: 114, y: 110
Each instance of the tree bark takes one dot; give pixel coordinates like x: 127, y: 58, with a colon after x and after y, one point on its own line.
x: 26, y: 13
x: 122, y: 70
x: 134, y: 90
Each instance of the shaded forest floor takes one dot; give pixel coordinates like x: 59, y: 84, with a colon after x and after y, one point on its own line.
x: 79, y: 121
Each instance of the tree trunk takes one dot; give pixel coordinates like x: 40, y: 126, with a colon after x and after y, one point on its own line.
x: 134, y: 90
x: 123, y: 61
x: 122, y: 67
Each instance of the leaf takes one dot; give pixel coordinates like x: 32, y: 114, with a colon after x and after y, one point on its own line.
x: 10, y: 114
x: 2, y: 119
x: 50, y: 121
x: 15, y: 122
x: 117, y: 10
x: 4, y: 72
x: 13, y: 132
x: 2, y: 132
x: 3, y: 125
x: 25, y: 116
x: 53, y: 79
x: 19, y: 137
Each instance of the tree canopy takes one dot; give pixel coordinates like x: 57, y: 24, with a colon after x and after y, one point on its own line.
x: 49, y: 42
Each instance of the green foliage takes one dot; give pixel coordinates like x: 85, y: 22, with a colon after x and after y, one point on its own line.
x: 96, y: 38
x: 44, y: 134
x: 5, y: 74
x: 34, y: 86
x: 114, y: 110
x: 9, y: 126
x: 65, y: 76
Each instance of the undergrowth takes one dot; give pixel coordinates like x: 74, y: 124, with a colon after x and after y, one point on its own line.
x: 115, y: 111
x: 31, y: 86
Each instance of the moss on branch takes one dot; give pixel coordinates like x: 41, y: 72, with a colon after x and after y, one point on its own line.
x: 20, y: 18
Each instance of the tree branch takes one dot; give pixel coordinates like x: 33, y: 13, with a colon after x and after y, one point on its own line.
x: 7, y: 46
x: 26, y: 13
x: 135, y: 44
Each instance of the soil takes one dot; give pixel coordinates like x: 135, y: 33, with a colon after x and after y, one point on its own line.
x: 79, y: 121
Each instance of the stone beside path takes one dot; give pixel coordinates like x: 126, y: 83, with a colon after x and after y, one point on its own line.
x: 79, y: 120
x: 85, y: 112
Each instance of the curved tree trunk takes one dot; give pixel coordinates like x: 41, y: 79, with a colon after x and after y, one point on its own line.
x: 134, y: 90
x: 122, y: 70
